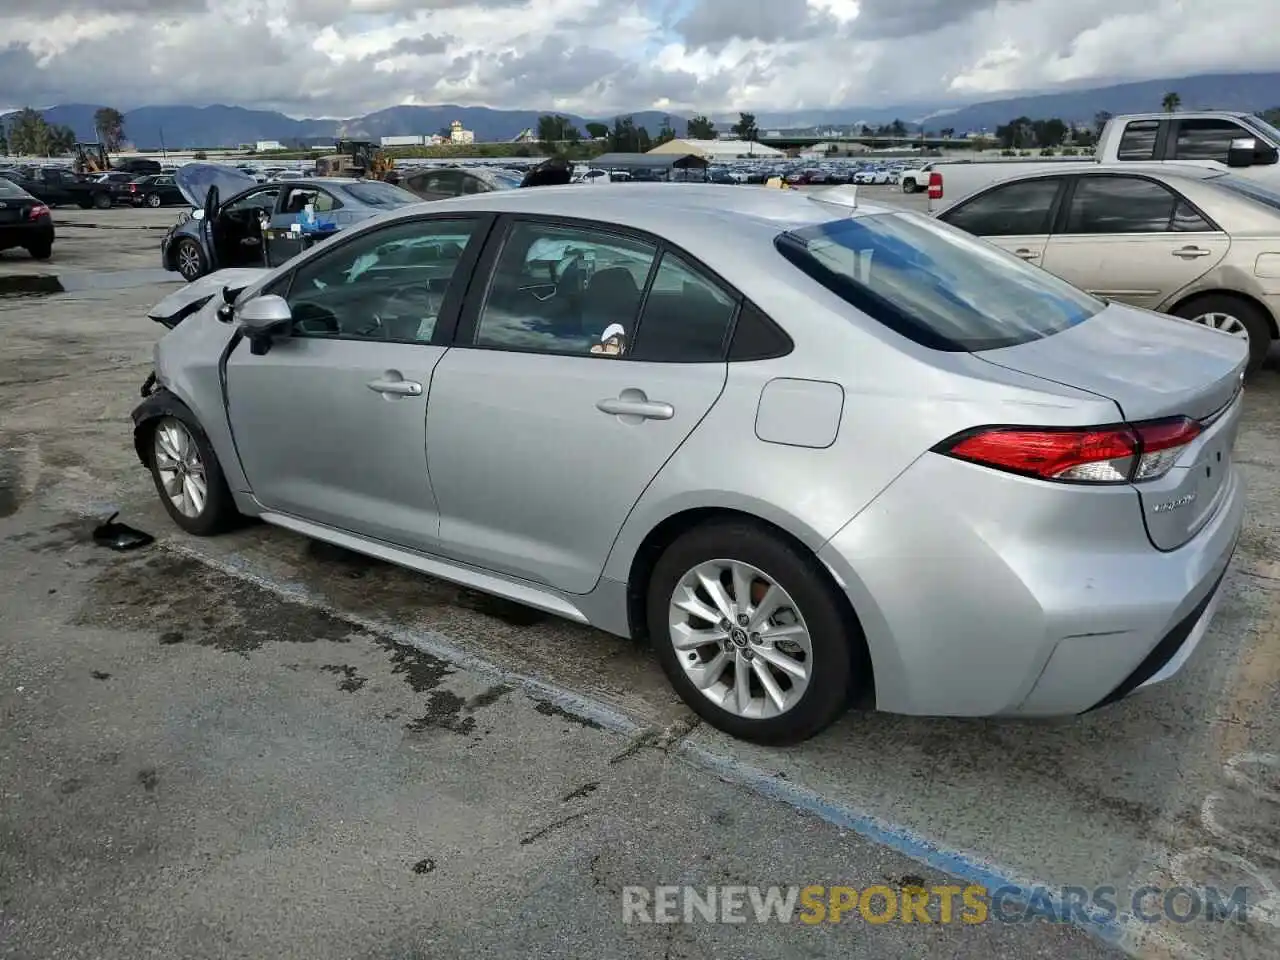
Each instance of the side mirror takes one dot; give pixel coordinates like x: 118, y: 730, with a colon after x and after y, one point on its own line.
x: 263, y: 318
x: 1241, y: 153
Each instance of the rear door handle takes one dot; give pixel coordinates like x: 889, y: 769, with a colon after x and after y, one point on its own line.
x: 1026, y: 254
x: 1190, y: 253
x: 396, y: 388
x: 648, y: 409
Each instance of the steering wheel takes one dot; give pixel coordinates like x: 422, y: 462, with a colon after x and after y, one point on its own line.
x: 308, y: 318
x: 371, y: 329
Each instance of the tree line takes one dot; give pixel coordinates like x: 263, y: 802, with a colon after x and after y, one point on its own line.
x: 27, y: 133
x: 624, y: 135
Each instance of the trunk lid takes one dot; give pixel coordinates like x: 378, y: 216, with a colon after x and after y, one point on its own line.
x: 1154, y: 366
x: 195, y: 179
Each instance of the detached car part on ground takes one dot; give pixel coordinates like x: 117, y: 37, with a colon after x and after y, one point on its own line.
x: 239, y: 222
x: 1189, y: 241
x: 24, y: 222
x: 817, y: 452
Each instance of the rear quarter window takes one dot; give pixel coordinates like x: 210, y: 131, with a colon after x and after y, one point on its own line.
x: 934, y: 284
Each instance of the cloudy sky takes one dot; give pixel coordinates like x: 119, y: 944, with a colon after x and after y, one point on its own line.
x: 348, y: 57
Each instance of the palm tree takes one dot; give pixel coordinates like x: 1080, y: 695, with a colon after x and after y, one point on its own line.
x: 1171, y: 102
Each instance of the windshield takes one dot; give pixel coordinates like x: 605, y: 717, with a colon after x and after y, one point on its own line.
x: 934, y: 284
x: 505, y: 181
x: 11, y: 190
x: 375, y: 193
x: 1263, y: 127
x: 1248, y: 188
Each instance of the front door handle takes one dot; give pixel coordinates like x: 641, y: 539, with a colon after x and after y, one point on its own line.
x: 647, y: 409
x: 396, y: 388
x: 1026, y: 254
x: 1190, y: 253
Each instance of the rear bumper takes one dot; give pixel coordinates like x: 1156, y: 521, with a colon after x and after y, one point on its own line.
x: 21, y: 235
x: 987, y: 601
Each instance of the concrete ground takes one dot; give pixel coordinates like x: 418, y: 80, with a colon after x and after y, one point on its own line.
x: 254, y: 745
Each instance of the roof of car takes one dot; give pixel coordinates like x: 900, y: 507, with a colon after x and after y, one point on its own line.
x: 665, y: 208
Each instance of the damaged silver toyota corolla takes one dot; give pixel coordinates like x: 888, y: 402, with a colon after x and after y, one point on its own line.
x: 819, y: 452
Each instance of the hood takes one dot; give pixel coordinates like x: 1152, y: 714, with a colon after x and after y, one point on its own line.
x: 195, y: 294
x: 555, y: 172
x: 1150, y: 364
x: 195, y: 179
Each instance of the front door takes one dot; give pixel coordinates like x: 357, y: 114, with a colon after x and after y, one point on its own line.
x: 330, y: 423
x: 1133, y: 240
x: 547, y: 426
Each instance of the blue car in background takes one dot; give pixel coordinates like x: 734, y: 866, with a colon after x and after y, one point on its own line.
x: 237, y: 222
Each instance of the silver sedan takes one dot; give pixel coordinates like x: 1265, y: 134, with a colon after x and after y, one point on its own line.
x: 815, y: 450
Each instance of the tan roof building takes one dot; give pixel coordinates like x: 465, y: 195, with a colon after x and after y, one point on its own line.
x: 718, y: 149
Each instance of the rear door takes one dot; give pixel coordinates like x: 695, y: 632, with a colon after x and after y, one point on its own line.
x: 560, y: 402
x: 1132, y: 239
x: 1016, y: 216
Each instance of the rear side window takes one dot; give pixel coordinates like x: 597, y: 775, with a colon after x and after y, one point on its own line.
x: 1139, y: 141
x: 686, y: 316
x: 1019, y: 209
x: 1129, y: 205
x: 940, y: 287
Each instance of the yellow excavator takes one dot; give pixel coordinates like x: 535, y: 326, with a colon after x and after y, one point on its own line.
x: 91, y: 158
x: 357, y: 158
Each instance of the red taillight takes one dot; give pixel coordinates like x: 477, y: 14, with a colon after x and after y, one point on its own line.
x: 935, y: 185
x: 133, y: 188
x: 1124, y: 453
x: 38, y: 211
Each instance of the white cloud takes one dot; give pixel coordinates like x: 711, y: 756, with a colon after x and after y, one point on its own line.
x: 347, y: 57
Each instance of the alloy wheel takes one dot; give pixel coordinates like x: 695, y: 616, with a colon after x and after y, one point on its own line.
x: 180, y: 467
x: 1224, y: 322
x: 153, y: 200
x: 740, y: 639
x: 189, y: 261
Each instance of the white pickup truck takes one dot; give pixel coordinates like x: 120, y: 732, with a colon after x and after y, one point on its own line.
x: 1245, y: 144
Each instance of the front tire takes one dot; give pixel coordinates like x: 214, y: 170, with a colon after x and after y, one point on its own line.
x: 1233, y: 315
x: 188, y: 477
x: 752, y: 634
x: 908, y: 186
x: 190, y: 259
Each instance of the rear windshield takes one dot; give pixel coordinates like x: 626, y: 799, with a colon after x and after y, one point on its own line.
x: 1248, y: 188
x: 11, y: 190
x: 377, y: 194
x: 934, y: 284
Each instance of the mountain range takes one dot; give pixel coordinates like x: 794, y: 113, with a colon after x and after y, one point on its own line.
x: 186, y: 127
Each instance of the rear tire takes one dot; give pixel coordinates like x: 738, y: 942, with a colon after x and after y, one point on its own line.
x: 102, y: 201
x: 40, y: 251
x: 188, y: 477
x: 813, y: 628
x: 1232, y: 315
x: 153, y: 200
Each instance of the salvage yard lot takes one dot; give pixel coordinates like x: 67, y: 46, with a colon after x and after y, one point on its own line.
x: 259, y: 746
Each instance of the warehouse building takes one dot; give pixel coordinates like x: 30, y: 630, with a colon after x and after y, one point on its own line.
x: 718, y: 150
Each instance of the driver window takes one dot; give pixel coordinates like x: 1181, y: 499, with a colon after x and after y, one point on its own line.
x: 387, y: 284
x: 568, y: 290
